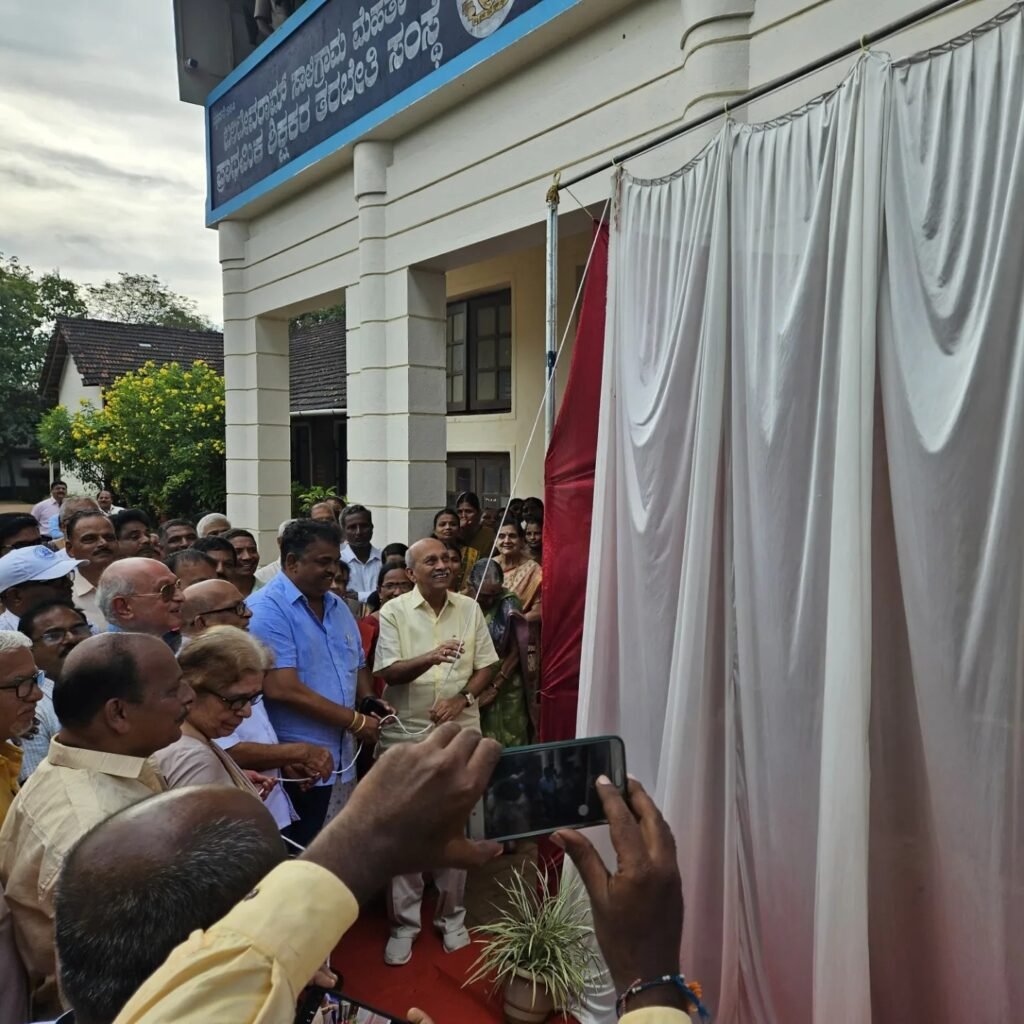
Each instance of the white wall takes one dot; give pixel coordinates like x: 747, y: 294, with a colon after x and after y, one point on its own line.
x: 71, y: 393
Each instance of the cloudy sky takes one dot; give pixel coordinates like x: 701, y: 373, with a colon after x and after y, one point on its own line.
x: 101, y: 166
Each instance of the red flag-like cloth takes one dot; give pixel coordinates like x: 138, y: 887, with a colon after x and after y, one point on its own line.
x: 568, y: 505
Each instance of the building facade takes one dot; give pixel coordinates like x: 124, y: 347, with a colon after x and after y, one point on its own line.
x: 410, y: 184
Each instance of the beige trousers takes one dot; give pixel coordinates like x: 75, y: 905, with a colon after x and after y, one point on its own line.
x: 405, y: 899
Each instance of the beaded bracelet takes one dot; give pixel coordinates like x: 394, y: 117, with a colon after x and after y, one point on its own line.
x: 691, y: 993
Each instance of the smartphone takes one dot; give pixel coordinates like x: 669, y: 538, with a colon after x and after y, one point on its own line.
x: 542, y: 788
x: 351, y: 1011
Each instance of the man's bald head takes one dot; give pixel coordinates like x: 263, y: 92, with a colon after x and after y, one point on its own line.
x: 427, y: 564
x: 142, y: 881
x: 123, y: 692
x: 213, y: 603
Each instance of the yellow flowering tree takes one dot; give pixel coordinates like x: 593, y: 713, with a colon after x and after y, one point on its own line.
x: 158, y: 440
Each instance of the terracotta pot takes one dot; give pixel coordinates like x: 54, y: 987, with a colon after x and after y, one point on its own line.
x: 525, y: 1001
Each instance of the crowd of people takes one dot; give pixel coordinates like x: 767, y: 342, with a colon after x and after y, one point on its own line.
x: 138, y: 660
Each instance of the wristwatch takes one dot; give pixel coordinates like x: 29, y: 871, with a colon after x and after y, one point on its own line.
x: 470, y: 697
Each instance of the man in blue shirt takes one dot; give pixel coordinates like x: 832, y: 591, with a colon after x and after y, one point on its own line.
x: 319, y: 674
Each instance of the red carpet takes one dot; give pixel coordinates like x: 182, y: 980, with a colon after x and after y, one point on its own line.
x: 432, y: 980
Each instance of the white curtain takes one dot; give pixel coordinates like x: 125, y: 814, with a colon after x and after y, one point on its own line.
x: 805, y: 596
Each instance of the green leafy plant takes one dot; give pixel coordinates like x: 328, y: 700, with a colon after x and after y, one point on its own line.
x: 546, y: 936
x: 310, y: 496
x: 158, y: 438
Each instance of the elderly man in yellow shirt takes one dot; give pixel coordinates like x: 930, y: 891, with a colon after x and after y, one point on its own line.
x: 120, y: 699
x: 411, y: 811
x: 19, y: 694
x: 434, y: 652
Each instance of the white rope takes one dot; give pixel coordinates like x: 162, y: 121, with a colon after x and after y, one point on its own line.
x: 536, y: 422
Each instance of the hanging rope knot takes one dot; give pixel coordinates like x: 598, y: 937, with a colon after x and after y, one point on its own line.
x: 552, y: 196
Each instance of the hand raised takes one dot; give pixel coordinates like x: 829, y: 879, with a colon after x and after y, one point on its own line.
x: 638, y: 911
x: 409, y: 814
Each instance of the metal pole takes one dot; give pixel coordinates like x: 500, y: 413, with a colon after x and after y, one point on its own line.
x: 551, y: 325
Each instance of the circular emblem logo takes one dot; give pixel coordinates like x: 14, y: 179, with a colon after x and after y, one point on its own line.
x: 482, y: 17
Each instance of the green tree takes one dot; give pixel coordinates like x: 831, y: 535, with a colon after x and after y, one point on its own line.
x: 144, y: 299
x: 159, y: 438
x: 28, y: 307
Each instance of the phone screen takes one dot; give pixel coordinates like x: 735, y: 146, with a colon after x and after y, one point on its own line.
x: 540, y: 789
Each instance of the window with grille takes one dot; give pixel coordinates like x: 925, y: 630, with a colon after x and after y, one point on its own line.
x: 479, y: 359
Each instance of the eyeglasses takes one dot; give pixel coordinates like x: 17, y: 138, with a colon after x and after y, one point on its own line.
x: 237, y: 703
x: 405, y: 586
x: 165, y: 593
x: 18, y: 545
x: 241, y: 610
x: 53, y: 637
x: 22, y: 686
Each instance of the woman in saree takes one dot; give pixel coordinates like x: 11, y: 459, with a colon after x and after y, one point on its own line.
x: 446, y: 530
x: 505, y: 704
x: 522, y: 574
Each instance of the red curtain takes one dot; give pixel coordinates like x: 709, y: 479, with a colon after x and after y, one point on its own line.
x: 568, y: 501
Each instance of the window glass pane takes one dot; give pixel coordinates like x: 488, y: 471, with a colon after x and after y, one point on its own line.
x: 458, y: 358
x: 458, y: 395
x: 450, y: 331
x: 505, y: 385
x: 504, y: 352
x: 485, y: 321
x: 459, y: 325
x: 449, y: 391
x: 492, y: 478
x: 485, y: 352
x: 505, y: 319
x: 486, y: 386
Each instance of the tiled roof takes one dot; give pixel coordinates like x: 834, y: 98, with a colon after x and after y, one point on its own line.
x: 318, y: 367
x: 104, y: 350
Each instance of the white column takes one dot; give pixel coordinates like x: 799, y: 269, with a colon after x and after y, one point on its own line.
x: 396, y: 372
x: 258, y: 433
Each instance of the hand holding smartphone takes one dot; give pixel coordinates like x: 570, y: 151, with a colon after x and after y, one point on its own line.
x: 548, y: 786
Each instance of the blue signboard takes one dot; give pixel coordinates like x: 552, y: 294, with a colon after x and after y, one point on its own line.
x: 333, y: 64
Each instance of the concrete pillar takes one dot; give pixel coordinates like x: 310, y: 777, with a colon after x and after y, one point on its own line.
x: 258, y: 433
x: 396, y: 372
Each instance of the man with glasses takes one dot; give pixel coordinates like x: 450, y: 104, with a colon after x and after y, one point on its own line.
x: 141, y: 595
x: 18, y: 530
x: 55, y: 628
x: 19, y: 696
x: 28, y: 577
x: 319, y: 673
x: 89, y: 536
x: 120, y: 699
x: 254, y: 744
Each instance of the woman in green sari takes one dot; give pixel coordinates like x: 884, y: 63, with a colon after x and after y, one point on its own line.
x: 504, y: 715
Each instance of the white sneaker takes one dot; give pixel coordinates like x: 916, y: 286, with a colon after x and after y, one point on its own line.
x: 457, y: 939
x: 398, y: 951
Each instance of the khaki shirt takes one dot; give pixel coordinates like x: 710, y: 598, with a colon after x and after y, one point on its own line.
x: 84, y: 594
x: 408, y: 629
x: 251, y: 966
x: 70, y: 792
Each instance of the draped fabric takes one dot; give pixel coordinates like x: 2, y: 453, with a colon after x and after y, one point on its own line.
x: 568, y: 498
x: 804, y: 606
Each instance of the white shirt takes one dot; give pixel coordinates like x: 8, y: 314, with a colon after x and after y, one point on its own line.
x: 9, y: 621
x: 84, y: 594
x: 363, y: 575
x: 257, y: 729
x: 268, y: 571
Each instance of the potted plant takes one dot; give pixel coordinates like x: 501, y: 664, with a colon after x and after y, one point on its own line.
x: 540, y: 949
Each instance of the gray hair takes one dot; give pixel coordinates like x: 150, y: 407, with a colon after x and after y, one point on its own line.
x: 211, y: 520
x: 113, y: 585
x: 12, y: 640
x: 69, y: 507
x: 284, y: 526
x: 116, y: 923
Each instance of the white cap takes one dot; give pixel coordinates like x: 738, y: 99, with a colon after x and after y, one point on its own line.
x: 28, y: 565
